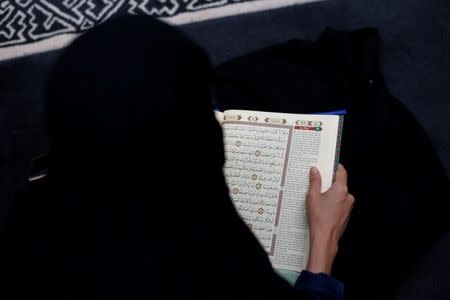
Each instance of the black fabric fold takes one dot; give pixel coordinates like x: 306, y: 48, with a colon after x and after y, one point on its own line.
x: 402, y: 190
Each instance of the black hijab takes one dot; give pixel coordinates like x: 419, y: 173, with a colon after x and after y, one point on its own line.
x: 135, y: 205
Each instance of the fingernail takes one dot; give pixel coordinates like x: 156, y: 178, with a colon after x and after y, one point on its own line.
x: 314, y: 171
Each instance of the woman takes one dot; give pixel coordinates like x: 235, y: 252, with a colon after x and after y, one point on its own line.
x: 135, y: 205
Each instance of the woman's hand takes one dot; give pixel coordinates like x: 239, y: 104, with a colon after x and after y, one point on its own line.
x: 328, y: 215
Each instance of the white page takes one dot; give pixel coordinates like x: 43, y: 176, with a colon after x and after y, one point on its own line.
x: 268, y: 157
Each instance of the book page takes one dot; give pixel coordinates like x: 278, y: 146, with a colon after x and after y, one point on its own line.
x: 268, y: 157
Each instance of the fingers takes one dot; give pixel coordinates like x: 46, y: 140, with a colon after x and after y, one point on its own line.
x: 351, y: 199
x: 341, y: 176
x: 315, y: 182
x: 347, y: 219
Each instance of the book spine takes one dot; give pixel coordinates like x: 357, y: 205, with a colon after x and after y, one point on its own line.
x: 338, y: 144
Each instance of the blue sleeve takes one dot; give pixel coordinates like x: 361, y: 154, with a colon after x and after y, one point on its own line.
x: 320, y: 285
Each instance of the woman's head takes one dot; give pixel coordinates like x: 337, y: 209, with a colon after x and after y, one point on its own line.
x: 122, y: 95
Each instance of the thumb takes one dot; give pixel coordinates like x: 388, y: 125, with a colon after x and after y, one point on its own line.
x: 315, y: 181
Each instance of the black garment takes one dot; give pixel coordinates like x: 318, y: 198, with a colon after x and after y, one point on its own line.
x: 402, y: 193
x: 135, y: 205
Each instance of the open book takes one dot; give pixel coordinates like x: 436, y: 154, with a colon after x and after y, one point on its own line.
x: 268, y: 158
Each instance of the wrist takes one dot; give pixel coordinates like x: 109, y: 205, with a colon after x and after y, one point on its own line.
x: 323, y: 250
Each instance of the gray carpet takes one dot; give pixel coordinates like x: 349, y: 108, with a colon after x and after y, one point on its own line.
x: 36, y: 26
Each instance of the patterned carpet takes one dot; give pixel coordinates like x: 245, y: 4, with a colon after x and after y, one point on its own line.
x: 32, y: 26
